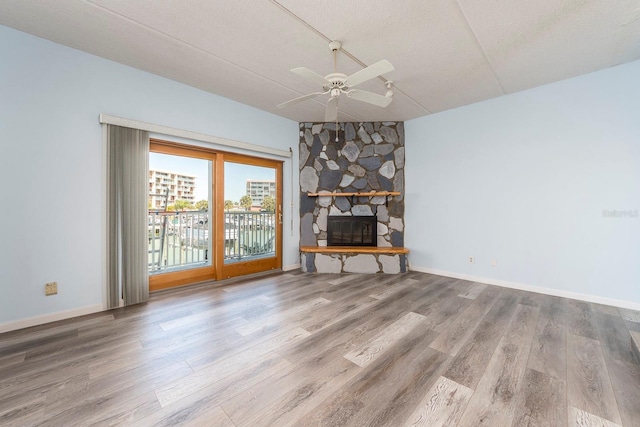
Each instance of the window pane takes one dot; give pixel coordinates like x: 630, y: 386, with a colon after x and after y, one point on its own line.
x: 179, y: 200
x: 250, y: 219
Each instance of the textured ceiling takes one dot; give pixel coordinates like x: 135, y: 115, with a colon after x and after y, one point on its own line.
x: 446, y: 53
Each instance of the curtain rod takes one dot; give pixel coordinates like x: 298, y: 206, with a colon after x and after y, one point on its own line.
x: 151, y: 127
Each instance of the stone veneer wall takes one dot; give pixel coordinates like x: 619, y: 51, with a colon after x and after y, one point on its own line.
x: 367, y: 157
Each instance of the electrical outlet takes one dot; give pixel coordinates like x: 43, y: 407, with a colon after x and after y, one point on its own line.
x: 471, y: 260
x: 494, y: 263
x: 51, y: 288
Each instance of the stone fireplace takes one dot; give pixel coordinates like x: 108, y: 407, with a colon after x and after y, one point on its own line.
x: 368, y: 157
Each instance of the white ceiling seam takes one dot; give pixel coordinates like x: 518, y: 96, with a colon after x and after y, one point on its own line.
x: 484, y: 54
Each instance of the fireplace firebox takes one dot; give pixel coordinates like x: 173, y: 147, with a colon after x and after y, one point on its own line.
x: 352, y: 230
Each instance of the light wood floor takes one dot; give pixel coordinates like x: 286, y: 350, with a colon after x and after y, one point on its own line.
x: 356, y: 350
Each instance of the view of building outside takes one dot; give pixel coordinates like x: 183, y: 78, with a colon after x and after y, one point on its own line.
x: 187, y: 180
x: 168, y: 187
x: 258, y: 190
x: 180, y: 186
x: 178, y: 222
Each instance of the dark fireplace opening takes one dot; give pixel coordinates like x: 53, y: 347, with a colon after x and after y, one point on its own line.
x: 352, y: 231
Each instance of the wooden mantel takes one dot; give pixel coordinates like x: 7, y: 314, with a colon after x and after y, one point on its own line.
x: 366, y: 194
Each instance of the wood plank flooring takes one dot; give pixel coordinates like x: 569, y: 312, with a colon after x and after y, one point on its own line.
x: 329, y: 350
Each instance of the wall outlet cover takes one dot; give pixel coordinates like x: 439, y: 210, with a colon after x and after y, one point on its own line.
x: 51, y: 288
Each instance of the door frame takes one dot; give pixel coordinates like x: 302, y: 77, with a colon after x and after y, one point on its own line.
x: 218, y: 270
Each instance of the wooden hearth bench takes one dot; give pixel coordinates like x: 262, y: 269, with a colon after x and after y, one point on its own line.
x: 354, y: 259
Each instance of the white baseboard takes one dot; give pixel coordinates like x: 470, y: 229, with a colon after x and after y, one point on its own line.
x: 531, y: 288
x: 47, y: 318
x: 290, y: 267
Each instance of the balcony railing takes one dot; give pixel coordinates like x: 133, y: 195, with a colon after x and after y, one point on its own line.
x: 249, y: 235
x: 180, y: 240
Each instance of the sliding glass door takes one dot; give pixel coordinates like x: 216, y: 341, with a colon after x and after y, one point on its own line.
x: 212, y: 215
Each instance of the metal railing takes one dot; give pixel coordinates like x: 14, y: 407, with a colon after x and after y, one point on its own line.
x: 249, y: 235
x: 179, y: 240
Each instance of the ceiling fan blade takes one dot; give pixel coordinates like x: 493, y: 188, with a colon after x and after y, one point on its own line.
x: 372, y: 71
x: 299, y: 99
x: 310, y: 75
x: 331, y: 113
x: 370, y: 97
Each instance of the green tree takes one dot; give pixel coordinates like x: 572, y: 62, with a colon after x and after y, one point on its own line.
x: 269, y: 204
x: 246, y: 202
x: 181, y: 205
x: 228, y: 205
x: 202, y: 205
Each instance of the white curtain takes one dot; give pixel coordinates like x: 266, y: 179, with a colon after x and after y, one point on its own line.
x: 127, y: 231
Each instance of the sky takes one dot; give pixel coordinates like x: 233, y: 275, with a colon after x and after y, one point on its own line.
x: 235, y: 174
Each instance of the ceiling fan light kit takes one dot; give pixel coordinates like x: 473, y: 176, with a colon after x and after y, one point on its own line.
x: 336, y: 84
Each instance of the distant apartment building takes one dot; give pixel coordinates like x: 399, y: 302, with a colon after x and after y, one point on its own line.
x: 258, y: 190
x: 180, y: 186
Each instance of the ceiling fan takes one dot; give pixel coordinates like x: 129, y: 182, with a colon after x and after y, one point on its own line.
x: 336, y: 84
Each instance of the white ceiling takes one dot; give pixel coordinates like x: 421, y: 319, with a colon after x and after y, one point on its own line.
x: 447, y: 53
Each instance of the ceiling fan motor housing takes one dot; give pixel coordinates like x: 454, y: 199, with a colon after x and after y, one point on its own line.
x: 336, y: 81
